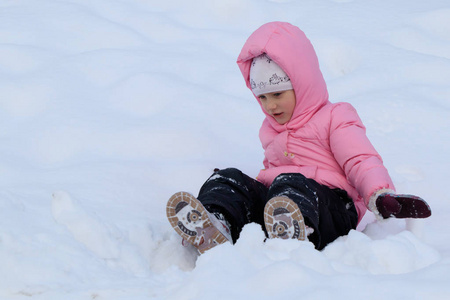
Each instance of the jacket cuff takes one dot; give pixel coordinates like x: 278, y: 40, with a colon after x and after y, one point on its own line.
x: 373, y: 199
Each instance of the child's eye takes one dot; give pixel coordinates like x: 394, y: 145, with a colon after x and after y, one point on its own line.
x: 277, y: 94
x: 262, y: 97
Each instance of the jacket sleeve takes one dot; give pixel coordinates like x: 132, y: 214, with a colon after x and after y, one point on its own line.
x: 355, y: 154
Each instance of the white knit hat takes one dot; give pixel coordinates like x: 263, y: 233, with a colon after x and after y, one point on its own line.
x: 267, y: 77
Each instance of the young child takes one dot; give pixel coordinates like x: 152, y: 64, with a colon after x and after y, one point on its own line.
x: 321, y: 172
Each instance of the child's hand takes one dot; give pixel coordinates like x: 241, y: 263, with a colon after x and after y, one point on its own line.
x: 402, y: 206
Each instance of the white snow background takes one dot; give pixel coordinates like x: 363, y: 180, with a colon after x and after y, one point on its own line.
x: 108, y: 107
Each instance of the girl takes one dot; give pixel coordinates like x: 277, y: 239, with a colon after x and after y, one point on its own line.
x: 321, y: 171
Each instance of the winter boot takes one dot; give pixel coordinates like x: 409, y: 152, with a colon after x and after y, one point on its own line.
x: 195, y: 224
x: 283, y: 219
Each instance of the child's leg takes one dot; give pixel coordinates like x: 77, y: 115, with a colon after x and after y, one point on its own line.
x: 238, y: 197
x: 329, y: 212
x: 337, y: 214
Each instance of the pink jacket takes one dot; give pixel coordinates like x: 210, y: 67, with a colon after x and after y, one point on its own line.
x: 323, y: 141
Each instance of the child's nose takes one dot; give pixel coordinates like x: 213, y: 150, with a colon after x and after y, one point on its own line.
x: 271, y: 105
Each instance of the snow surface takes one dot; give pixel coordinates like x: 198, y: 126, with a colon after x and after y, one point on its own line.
x: 108, y: 107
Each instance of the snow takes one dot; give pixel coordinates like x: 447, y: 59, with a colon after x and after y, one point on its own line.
x: 107, y: 108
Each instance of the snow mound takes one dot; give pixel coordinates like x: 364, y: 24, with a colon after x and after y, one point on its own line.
x: 284, y: 265
x: 86, y: 229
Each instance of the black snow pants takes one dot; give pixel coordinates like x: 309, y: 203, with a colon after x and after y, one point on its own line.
x: 241, y: 199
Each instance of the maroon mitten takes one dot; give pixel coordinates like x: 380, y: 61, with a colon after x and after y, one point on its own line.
x: 402, y: 206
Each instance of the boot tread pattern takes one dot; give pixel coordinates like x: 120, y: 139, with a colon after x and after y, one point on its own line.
x: 191, y: 221
x: 283, y: 219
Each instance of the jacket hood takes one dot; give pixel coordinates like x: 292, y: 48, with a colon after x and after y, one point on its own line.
x: 289, y: 47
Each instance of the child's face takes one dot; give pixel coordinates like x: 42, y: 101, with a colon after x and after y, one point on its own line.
x: 279, y: 105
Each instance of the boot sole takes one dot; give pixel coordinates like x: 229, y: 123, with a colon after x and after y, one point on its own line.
x: 193, y: 224
x: 283, y: 219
